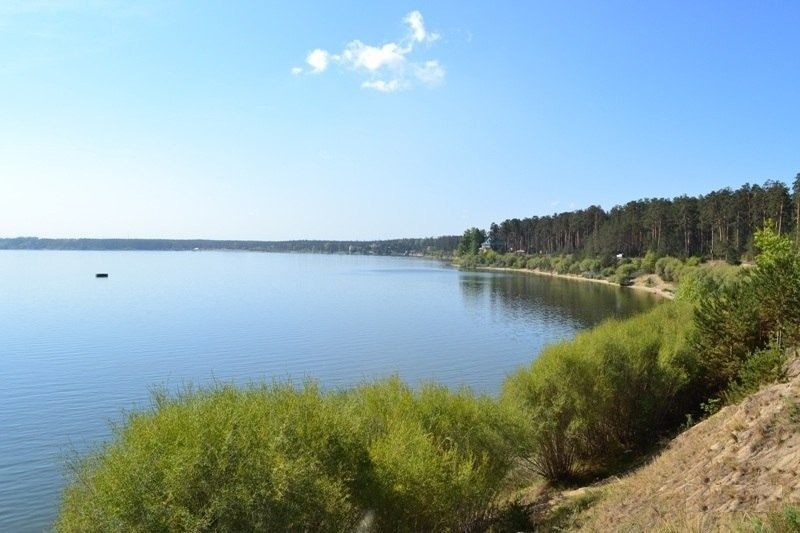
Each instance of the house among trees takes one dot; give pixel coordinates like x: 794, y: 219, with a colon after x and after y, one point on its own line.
x: 492, y: 243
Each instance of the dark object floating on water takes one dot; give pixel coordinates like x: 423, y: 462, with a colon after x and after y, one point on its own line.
x: 101, y: 275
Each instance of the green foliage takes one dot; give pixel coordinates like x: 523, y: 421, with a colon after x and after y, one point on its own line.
x: 728, y: 330
x: 763, y: 366
x: 611, y: 389
x: 437, y: 457
x: 590, y: 268
x: 693, y: 261
x: 625, y: 273
x: 561, y: 264
x: 738, y: 320
x: 551, y: 410
x: 717, y: 225
x: 534, y: 263
x: 698, y: 283
x: 669, y: 268
x: 280, y: 458
x: 786, y: 521
x: 649, y: 262
x: 710, y: 407
x: 777, y: 280
x: 470, y: 242
x: 220, y: 459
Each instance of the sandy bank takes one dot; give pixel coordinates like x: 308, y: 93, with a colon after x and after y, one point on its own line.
x: 645, y: 283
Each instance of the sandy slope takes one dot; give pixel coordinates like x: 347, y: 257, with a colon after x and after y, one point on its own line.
x: 743, y: 460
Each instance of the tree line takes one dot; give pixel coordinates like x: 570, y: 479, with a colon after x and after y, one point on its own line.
x: 421, y: 246
x: 717, y: 225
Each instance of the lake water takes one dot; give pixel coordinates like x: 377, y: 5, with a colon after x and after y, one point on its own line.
x: 75, y: 350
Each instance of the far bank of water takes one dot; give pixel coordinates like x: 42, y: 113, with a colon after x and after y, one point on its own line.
x: 76, y: 350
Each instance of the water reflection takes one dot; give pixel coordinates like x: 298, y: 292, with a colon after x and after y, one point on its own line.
x: 532, y: 297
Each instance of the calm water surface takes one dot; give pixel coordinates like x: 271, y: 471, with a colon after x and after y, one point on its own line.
x: 76, y: 350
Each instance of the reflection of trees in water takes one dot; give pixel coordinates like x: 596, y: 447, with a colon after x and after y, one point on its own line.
x: 540, y: 297
x: 473, y: 286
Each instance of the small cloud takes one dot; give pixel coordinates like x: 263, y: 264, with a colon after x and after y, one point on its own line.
x: 555, y: 203
x: 372, y: 58
x: 318, y: 60
x: 431, y: 73
x: 388, y: 66
x: 382, y: 86
x: 296, y: 71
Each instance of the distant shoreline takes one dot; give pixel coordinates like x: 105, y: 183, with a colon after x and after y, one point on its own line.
x: 427, y: 246
x: 663, y: 290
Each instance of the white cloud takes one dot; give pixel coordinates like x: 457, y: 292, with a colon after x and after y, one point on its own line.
x: 389, y: 67
x: 431, y: 73
x: 418, y: 33
x: 296, y: 70
x: 414, y: 19
x: 318, y: 60
x: 383, y: 86
x: 372, y: 58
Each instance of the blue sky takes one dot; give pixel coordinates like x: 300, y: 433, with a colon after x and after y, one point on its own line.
x: 355, y: 120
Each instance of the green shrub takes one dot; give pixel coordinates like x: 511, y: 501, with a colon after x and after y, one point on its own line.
x: 728, y: 330
x: 220, y: 459
x: 744, y: 325
x: 590, y: 267
x: 561, y: 264
x: 625, y: 273
x: 649, y: 262
x: 787, y: 521
x: 757, y: 369
x: 438, y: 457
x: 468, y: 261
x: 546, y: 264
x: 507, y: 260
x: 611, y: 389
x: 550, y: 409
x: 280, y: 458
x: 698, y: 283
x: 669, y: 268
